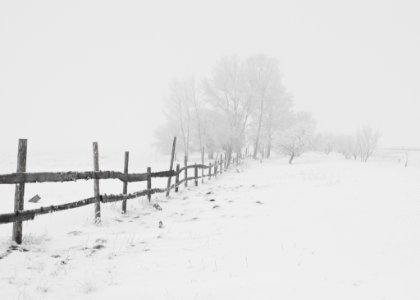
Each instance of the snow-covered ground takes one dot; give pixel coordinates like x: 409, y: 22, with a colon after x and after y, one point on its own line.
x: 323, y: 228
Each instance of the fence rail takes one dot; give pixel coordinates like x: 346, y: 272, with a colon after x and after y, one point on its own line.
x: 40, y: 177
x: 21, y: 177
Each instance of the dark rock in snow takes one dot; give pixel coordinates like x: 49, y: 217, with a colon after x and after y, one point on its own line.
x: 157, y: 206
x: 212, y: 200
x: 161, y: 224
x: 99, y: 246
x: 35, y: 199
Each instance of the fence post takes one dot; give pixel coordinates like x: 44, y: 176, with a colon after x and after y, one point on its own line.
x: 20, y: 190
x: 177, y: 178
x: 195, y: 174
x: 171, y: 166
x: 221, y: 164
x: 125, y: 184
x: 149, y: 183
x: 96, y: 183
x: 202, y: 162
x: 215, y: 168
x: 209, y: 171
x: 185, y: 171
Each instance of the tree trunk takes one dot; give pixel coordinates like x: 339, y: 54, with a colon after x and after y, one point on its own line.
x: 228, y: 155
x: 257, y: 138
x: 268, y: 148
x: 210, y: 154
x: 291, y: 159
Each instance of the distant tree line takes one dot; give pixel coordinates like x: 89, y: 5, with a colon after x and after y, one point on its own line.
x: 243, y: 106
x: 359, y: 146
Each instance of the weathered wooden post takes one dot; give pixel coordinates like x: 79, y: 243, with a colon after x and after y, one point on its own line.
x: 202, y: 162
x: 20, y: 190
x: 185, y: 171
x: 221, y: 164
x: 171, y: 166
x: 209, y: 171
x: 149, y: 183
x: 177, y: 178
x: 195, y: 174
x: 215, y: 168
x: 125, y: 183
x: 96, y: 183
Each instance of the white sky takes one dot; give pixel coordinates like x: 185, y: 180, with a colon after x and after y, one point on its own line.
x: 76, y: 71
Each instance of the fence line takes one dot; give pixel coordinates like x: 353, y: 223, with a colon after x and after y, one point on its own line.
x: 21, y: 177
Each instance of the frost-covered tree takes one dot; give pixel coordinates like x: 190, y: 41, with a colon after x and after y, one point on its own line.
x: 367, y: 141
x: 227, y: 93
x: 278, y: 116
x: 262, y: 75
x: 179, y: 112
x: 215, y: 136
x: 346, y: 145
x: 242, y: 103
x: 297, y: 138
x: 326, y: 142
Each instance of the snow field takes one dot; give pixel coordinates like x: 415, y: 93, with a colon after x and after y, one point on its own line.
x: 323, y: 228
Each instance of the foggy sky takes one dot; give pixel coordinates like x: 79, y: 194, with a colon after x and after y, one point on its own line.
x: 76, y: 71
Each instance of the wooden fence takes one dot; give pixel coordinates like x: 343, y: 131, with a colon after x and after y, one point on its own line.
x: 21, y: 177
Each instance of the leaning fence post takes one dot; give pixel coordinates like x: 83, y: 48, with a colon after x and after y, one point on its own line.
x: 202, y: 162
x: 125, y: 184
x: 185, y: 171
x: 177, y: 179
x: 171, y: 166
x: 195, y: 174
x: 96, y: 183
x: 20, y: 189
x: 149, y: 183
x: 209, y: 171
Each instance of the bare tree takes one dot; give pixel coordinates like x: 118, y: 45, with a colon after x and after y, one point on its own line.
x: 296, y: 139
x: 227, y: 93
x: 277, y: 117
x: 367, y: 141
x: 263, y: 79
x: 214, y: 126
x: 197, y: 105
x: 346, y: 145
x: 179, y: 112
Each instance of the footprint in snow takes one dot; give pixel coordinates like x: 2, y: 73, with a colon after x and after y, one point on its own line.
x: 99, y: 244
x: 358, y: 283
x: 157, y: 206
x: 75, y: 232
